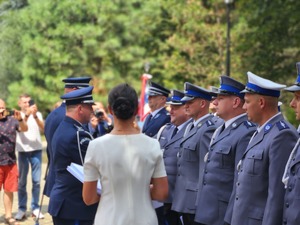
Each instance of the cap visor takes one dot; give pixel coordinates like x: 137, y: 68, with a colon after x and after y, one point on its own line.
x: 174, y: 103
x: 246, y: 91
x: 187, y: 98
x: 292, y: 88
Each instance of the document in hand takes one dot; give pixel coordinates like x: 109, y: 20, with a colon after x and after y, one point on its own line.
x: 77, y: 171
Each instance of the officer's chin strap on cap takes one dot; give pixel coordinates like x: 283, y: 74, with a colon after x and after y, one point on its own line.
x: 78, y: 141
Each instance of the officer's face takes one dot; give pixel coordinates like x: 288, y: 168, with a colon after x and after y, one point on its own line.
x: 194, y: 108
x: 86, y: 110
x: 252, y: 107
x: 295, y: 104
x: 224, y: 105
x: 156, y: 102
x: 178, y: 114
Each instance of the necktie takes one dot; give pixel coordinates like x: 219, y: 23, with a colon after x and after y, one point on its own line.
x: 192, y: 127
x: 174, y: 132
x: 222, y: 128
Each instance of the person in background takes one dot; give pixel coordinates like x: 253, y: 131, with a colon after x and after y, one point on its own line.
x: 69, y: 144
x: 169, y: 137
x: 9, y: 126
x: 259, y: 192
x: 133, y: 162
x: 226, y: 148
x: 158, y: 115
x: 29, y: 147
x: 98, y: 125
x: 193, y: 147
x: 291, y: 203
x: 52, y: 122
x: 107, y: 117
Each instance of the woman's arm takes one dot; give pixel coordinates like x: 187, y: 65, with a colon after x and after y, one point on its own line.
x: 159, y: 188
x: 89, y: 192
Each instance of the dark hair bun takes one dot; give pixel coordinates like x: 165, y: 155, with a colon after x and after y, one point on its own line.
x: 123, y: 108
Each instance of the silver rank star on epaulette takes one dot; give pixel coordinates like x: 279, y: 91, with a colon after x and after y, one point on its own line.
x: 209, y: 123
x: 282, y: 125
x: 79, y: 128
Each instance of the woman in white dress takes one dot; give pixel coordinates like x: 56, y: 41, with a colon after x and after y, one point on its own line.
x: 129, y: 165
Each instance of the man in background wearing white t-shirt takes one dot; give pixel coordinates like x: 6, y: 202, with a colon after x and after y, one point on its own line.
x: 29, y: 147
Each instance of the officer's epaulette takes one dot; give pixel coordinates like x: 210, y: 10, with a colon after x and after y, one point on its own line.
x: 79, y: 128
x: 249, y: 124
x: 209, y: 123
x: 281, y: 125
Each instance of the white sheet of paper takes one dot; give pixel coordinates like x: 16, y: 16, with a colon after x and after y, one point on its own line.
x: 77, y: 171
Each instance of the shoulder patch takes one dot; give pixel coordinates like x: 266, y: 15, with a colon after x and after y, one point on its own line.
x: 249, y: 124
x: 281, y: 125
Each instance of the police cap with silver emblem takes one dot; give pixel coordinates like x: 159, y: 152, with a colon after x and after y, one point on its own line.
x: 192, y: 91
x: 229, y: 86
x: 176, y: 98
x: 156, y: 89
x: 76, y: 82
x: 261, y: 86
x: 296, y: 86
x: 79, y: 96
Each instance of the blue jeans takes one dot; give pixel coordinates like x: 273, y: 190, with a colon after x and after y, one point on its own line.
x: 33, y: 158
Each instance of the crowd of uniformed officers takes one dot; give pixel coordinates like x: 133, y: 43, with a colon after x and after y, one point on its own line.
x: 238, y: 165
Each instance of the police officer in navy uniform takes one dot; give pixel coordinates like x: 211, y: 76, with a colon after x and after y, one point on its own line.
x: 227, y: 146
x: 259, y: 192
x: 291, y: 206
x: 69, y: 145
x: 52, y: 122
x: 193, y: 147
x: 169, y: 137
x: 158, y: 116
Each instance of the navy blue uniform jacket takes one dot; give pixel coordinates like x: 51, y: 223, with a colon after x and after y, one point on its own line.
x: 150, y: 128
x: 51, y: 124
x: 66, y: 196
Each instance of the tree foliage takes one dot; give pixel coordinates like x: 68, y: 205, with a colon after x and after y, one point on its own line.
x: 42, y: 42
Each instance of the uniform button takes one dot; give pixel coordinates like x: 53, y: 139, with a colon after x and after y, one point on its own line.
x: 287, y: 204
x: 284, y: 221
x: 236, y: 198
x: 238, y: 183
x: 205, y: 171
x: 204, y: 182
x: 290, y: 188
x: 208, y: 160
